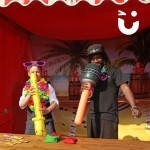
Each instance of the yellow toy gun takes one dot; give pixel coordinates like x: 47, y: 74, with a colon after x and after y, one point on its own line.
x: 39, y: 124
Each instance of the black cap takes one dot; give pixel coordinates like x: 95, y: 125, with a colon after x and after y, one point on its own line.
x: 95, y: 49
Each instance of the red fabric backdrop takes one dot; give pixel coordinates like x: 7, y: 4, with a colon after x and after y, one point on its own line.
x: 15, y: 49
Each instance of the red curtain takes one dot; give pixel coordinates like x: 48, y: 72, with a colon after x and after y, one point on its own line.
x: 15, y: 49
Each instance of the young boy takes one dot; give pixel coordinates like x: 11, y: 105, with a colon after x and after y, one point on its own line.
x: 47, y: 95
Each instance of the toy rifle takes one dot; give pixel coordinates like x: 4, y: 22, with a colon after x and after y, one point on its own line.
x: 39, y: 124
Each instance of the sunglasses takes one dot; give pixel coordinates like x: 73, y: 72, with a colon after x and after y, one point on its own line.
x: 34, y: 63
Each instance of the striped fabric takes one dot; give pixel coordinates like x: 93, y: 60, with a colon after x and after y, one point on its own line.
x: 5, y: 3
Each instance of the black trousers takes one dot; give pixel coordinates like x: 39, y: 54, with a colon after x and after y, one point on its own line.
x: 97, y: 128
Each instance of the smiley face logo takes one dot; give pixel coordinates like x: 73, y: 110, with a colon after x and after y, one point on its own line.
x: 121, y: 23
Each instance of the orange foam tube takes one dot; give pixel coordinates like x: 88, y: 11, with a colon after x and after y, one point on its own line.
x: 82, y: 106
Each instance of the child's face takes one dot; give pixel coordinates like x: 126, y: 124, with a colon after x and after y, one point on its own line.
x: 37, y: 70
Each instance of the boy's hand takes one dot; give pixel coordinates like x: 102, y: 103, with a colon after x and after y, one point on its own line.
x: 45, y: 111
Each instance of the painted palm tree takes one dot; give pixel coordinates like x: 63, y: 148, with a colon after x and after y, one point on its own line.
x: 69, y: 54
x: 139, y: 45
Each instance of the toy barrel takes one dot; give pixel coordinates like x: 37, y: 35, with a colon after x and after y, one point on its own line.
x: 140, y: 85
x: 74, y: 90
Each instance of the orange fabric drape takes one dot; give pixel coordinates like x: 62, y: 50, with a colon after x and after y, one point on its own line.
x: 14, y: 49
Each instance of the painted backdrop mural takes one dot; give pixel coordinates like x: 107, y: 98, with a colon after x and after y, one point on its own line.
x: 65, y: 62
